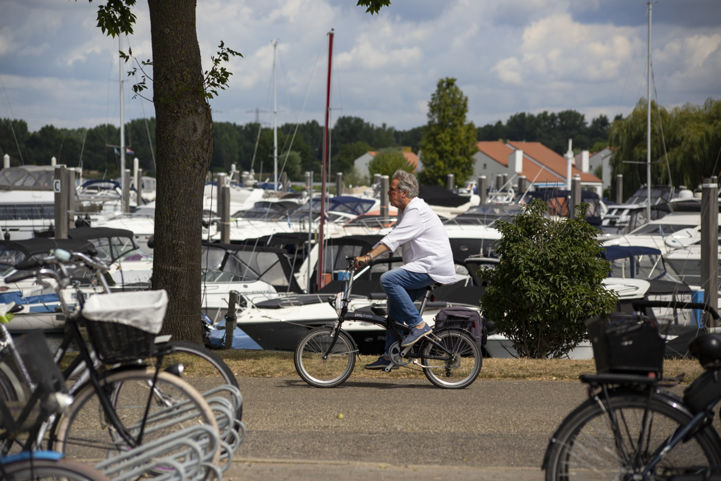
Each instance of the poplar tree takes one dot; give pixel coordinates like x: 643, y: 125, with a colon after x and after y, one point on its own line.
x: 448, y: 142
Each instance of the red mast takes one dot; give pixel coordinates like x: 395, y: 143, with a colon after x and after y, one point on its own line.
x: 325, y: 164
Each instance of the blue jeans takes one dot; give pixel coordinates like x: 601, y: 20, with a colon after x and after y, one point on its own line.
x: 403, y: 287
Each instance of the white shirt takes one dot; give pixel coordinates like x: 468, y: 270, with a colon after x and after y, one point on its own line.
x: 424, y: 241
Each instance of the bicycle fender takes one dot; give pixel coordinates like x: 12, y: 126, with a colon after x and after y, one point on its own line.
x: 345, y: 333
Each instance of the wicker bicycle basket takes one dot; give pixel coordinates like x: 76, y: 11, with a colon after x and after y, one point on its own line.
x: 122, y: 326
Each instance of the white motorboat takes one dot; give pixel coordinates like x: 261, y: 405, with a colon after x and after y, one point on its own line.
x: 27, y: 201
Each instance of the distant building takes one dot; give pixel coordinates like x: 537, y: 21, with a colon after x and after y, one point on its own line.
x: 362, y: 162
x: 599, y: 162
x: 541, y: 166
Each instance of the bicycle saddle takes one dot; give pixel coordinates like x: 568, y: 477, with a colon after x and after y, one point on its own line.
x: 707, y: 349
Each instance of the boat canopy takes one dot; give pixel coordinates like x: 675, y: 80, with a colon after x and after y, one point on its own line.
x: 345, y: 203
x: 111, y: 244
x: 611, y: 253
x: 27, y: 177
x: 251, y: 263
x: 440, y: 196
x: 13, y: 253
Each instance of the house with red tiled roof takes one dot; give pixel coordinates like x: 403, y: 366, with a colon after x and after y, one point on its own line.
x: 541, y: 166
x: 362, y: 162
x: 598, y: 163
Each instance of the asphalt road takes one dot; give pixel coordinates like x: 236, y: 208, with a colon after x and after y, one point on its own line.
x: 371, y: 429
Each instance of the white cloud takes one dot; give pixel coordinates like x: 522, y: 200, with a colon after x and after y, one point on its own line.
x: 556, y: 48
x: 508, y: 56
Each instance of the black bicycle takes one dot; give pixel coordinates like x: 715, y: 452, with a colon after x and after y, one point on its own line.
x: 631, y: 427
x: 325, y: 357
x: 138, y: 417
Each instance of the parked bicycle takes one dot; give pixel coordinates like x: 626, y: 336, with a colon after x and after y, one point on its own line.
x: 631, y: 427
x: 138, y: 419
x: 26, y: 403
x: 325, y: 357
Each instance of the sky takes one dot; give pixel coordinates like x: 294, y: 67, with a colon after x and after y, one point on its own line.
x: 507, y: 56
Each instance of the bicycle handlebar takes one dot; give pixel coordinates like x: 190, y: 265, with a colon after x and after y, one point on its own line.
x: 22, y: 275
x: 38, y: 267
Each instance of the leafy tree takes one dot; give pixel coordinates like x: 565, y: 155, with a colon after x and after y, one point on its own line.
x: 410, y: 138
x: 13, y: 135
x: 348, y: 153
x: 387, y: 161
x: 184, y: 135
x: 551, y: 129
x: 628, y: 137
x: 448, y: 141
x: 548, y: 281
x: 492, y: 132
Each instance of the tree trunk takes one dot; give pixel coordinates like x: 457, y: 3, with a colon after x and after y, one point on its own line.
x: 184, y: 140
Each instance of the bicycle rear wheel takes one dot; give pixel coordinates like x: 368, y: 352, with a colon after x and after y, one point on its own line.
x: 587, y: 446
x: 11, y: 388
x: 49, y: 470
x: 455, y: 370
x: 330, y: 371
x: 204, y: 370
x: 84, y: 431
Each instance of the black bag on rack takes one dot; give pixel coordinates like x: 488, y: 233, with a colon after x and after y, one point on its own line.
x: 463, y: 318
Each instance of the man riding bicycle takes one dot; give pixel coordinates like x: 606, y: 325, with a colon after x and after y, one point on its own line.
x: 427, y: 258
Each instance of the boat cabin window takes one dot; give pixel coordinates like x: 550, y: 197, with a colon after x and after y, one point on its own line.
x: 27, y: 211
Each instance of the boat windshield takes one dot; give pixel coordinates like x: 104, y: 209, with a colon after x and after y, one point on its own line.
x: 660, y: 229
x: 487, y: 214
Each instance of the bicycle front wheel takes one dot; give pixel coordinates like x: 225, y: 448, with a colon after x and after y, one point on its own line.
x: 49, y: 470
x: 321, y: 370
x: 617, y: 440
x: 85, y: 432
x: 456, y: 364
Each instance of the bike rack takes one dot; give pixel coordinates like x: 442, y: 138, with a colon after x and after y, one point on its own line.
x: 186, y: 452
x: 183, y: 453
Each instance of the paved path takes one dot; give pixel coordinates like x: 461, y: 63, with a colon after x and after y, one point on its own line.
x: 395, y: 429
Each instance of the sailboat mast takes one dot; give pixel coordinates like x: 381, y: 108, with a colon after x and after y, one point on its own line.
x: 275, y: 124
x: 123, y: 187
x: 648, y: 118
x: 325, y: 163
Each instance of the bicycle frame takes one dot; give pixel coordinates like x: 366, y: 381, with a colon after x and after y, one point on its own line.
x: 85, y: 358
x: 344, y: 315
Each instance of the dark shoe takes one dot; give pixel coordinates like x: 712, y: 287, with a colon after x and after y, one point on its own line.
x: 380, y: 363
x: 415, y: 335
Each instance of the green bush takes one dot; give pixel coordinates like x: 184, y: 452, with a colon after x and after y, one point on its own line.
x: 547, y: 283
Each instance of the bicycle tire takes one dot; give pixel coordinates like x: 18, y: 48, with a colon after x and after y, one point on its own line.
x: 84, y: 432
x: 329, y: 372
x: 461, y: 368
x: 11, y: 388
x: 48, y: 470
x: 204, y: 370
x: 585, y: 448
